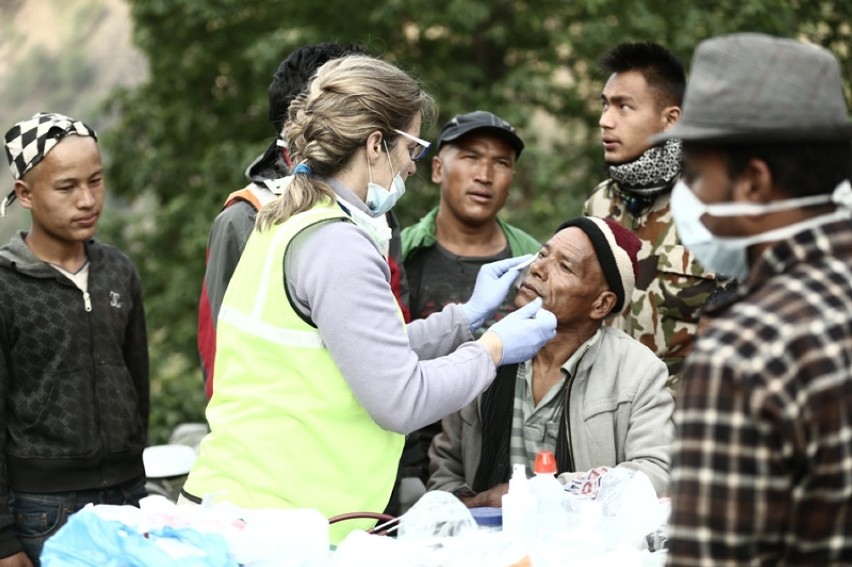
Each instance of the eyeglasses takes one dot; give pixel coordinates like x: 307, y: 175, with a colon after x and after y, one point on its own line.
x: 419, y: 151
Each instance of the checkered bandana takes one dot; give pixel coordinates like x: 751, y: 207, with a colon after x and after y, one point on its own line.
x: 28, y: 141
x: 652, y: 172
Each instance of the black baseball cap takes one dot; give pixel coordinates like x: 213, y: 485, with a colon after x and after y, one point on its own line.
x: 462, y: 124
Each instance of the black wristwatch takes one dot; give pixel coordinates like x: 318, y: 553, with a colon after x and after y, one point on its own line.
x: 463, y: 492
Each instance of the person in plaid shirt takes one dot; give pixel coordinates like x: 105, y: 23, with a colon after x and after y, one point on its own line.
x: 762, y: 462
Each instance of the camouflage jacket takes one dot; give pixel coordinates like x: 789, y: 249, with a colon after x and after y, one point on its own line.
x: 672, y: 286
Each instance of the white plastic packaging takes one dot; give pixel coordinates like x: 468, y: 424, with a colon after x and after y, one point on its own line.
x: 551, y: 517
x: 548, y: 493
x: 518, y: 507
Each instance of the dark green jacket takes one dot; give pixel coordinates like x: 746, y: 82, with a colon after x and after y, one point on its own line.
x: 422, y: 235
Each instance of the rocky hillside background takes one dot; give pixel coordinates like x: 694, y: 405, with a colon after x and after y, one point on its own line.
x: 61, y: 56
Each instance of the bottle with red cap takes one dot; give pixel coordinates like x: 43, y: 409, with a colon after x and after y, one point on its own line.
x: 548, y: 491
x: 551, y: 519
x: 545, y: 463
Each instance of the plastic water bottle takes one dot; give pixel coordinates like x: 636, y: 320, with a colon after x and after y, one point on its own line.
x: 547, y: 490
x: 519, y: 507
x: 551, y: 518
x: 549, y: 494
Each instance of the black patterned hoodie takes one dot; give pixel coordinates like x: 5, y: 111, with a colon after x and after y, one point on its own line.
x: 73, y: 376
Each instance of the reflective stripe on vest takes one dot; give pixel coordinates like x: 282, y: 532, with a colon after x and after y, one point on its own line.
x: 284, y: 337
x: 286, y: 429
x: 252, y: 322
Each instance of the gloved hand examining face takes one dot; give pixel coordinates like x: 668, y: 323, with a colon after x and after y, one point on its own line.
x: 492, y: 284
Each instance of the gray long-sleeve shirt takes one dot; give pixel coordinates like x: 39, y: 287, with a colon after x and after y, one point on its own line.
x: 404, y: 376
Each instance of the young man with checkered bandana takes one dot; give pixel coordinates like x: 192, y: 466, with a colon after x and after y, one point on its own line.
x: 642, y: 96
x: 73, y: 345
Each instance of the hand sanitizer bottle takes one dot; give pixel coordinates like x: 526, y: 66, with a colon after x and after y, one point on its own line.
x: 547, y: 490
x: 551, y: 518
x: 518, y: 507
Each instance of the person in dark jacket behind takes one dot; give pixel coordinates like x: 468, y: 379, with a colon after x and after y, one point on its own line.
x: 73, y: 345
x: 233, y: 225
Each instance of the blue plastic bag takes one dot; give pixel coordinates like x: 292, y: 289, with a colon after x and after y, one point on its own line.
x: 89, y: 540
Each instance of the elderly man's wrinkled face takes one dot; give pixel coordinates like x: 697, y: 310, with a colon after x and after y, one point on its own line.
x: 566, y: 275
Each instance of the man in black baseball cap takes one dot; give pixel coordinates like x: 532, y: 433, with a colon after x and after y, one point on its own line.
x: 442, y: 253
x: 482, y: 121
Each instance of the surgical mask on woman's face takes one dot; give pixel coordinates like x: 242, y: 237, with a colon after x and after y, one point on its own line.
x: 728, y: 256
x: 379, y: 199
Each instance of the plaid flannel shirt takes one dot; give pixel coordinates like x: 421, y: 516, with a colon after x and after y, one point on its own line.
x: 762, y: 464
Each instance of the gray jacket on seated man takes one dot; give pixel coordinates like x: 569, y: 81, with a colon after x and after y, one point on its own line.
x: 593, y: 395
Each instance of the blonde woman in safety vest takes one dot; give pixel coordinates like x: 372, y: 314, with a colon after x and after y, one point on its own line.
x: 318, y: 378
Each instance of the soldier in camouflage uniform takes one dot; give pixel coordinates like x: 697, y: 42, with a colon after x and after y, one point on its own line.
x: 643, y: 97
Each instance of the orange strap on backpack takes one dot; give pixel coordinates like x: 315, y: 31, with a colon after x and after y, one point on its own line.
x: 245, y: 194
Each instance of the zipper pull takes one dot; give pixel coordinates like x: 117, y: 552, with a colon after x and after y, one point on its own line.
x: 87, y: 301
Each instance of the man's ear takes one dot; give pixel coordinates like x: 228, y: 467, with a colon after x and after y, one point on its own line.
x: 755, y: 184
x: 437, y: 170
x: 374, y: 146
x: 602, y: 305
x: 670, y: 115
x: 22, y: 193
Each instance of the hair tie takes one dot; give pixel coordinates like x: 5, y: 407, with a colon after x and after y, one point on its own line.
x: 303, y: 168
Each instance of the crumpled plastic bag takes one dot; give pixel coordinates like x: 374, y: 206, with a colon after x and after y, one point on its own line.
x: 587, y: 484
x: 631, y: 508
x: 438, y: 531
x: 618, y: 506
x: 89, y: 540
x: 262, y: 537
x: 437, y: 514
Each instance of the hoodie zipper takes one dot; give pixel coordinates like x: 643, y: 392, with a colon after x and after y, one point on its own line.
x: 87, y: 300
x: 87, y: 304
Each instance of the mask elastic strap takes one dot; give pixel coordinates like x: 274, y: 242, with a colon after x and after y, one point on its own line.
x: 389, y: 159
x: 790, y: 230
x: 841, y: 196
x: 749, y: 209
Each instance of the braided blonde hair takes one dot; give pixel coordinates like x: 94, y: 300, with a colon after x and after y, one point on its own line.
x: 348, y: 99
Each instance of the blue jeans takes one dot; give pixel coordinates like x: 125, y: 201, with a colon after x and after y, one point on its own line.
x: 39, y: 516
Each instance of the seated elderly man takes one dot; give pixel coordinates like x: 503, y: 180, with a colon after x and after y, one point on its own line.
x: 593, y: 395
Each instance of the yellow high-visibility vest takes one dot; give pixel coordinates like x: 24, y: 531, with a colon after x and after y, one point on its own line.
x: 286, y: 429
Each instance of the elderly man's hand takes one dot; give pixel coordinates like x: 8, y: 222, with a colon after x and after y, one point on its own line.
x: 492, y: 497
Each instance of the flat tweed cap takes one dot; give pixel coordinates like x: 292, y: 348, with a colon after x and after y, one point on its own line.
x: 751, y: 87
x: 616, y: 248
x: 28, y: 141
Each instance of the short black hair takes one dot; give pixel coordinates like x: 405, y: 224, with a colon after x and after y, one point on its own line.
x: 800, y: 169
x: 662, y: 70
x: 296, y: 70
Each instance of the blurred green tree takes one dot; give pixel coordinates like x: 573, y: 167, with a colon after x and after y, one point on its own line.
x: 186, y: 136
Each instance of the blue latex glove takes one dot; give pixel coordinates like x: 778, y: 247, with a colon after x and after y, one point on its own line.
x: 524, y: 332
x: 489, y: 292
